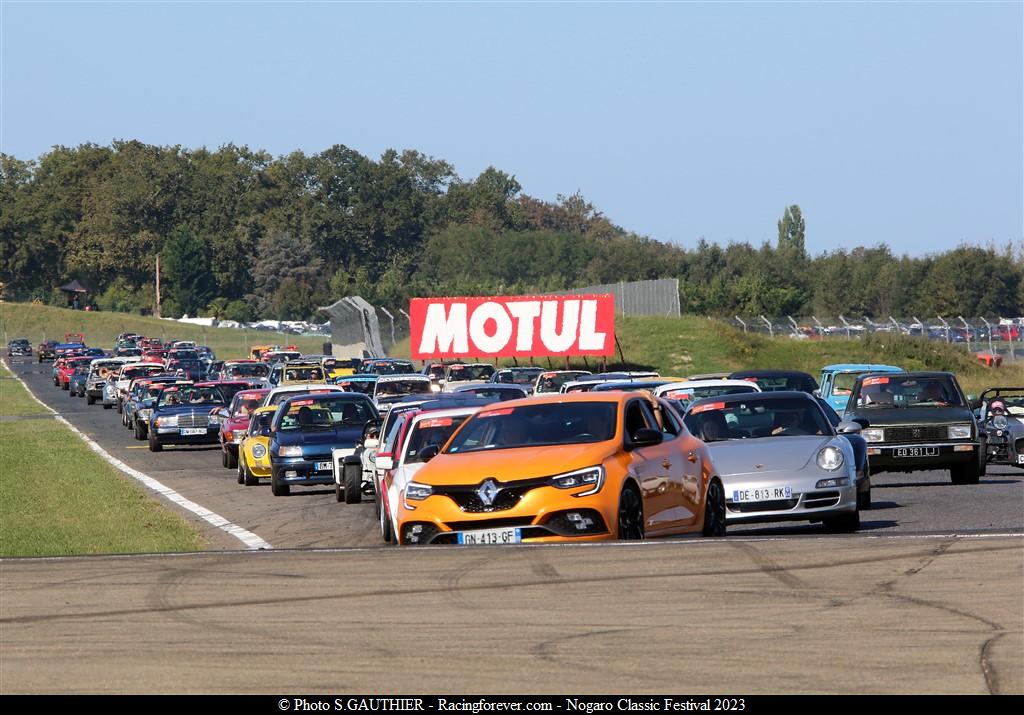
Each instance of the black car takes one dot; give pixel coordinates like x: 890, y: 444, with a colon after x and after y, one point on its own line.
x: 185, y: 414
x: 778, y: 380
x: 19, y: 346
x: 914, y: 421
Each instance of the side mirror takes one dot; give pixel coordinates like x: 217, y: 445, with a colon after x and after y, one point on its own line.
x: 849, y: 427
x: 429, y: 452
x: 371, y: 443
x: 646, y: 437
x: 384, y: 462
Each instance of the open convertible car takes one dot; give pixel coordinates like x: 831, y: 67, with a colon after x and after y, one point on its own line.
x: 780, y: 459
x: 1001, y: 416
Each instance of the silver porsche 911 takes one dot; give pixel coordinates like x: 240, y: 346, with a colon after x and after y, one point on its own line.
x: 780, y: 459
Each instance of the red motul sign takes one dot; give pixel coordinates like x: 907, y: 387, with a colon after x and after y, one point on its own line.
x: 512, y: 326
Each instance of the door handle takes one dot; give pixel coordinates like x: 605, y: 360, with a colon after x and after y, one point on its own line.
x: 666, y: 464
x: 691, y: 456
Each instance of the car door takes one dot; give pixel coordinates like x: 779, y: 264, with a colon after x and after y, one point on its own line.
x: 652, y: 466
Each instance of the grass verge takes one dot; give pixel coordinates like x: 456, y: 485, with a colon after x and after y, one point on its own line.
x: 40, y: 322
x: 59, y: 498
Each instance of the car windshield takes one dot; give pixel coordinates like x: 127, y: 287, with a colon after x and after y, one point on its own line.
x: 553, y: 381
x: 518, y: 377
x: 304, y: 374
x: 780, y: 383
x: 391, y: 368
x: 244, y: 404
x: 436, y: 371
x: 190, y: 395
x: 906, y: 391
x: 254, y: 369
x: 686, y: 395
x: 398, y: 388
x: 363, y: 387
x: 130, y: 373
x: 494, y: 393
x: 463, y: 373
x: 536, y: 426
x: 844, y: 382
x: 184, y: 355
x: 756, y: 417
x: 325, y: 413
x: 430, y: 431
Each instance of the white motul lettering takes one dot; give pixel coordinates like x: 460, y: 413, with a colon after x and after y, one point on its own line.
x: 590, y: 339
x: 525, y: 312
x: 503, y: 330
x: 445, y: 333
x: 559, y: 342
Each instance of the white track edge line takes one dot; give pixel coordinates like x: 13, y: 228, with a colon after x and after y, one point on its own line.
x: 251, y: 540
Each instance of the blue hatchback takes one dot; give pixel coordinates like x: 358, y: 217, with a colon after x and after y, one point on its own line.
x: 837, y: 381
x: 305, y: 432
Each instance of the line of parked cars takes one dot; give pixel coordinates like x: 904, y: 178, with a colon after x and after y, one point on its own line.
x: 467, y: 453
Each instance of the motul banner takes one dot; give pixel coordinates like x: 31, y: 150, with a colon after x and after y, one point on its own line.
x: 512, y: 326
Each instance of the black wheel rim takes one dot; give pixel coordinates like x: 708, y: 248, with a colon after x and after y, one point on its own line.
x: 715, y: 510
x: 631, y: 526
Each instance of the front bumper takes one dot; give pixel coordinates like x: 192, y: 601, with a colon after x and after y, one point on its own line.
x: 912, y: 457
x: 303, y: 470
x: 807, y: 503
x: 540, y: 514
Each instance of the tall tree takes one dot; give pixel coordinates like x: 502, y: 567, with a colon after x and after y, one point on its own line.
x: 186, y: 263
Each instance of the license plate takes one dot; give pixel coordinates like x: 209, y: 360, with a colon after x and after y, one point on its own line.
x: 189, y: 431
x: 762, y: 494
x: 490, y: 536
x: 324, y: 467
x: 916, y: 451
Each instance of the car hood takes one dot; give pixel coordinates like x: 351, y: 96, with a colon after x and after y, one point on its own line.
x: 507, y: 465
x: 344, y: 437
x: 775, y: 454
x: 879, y: 417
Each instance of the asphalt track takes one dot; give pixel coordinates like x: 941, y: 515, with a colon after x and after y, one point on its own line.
x: 928, y: 598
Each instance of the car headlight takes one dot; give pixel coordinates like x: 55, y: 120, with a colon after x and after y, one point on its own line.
x: 830, y: 458
x: 999, y: 422
x: 416, y: 492
x: 259, y: 451
x: 144, y: 414
x: 874, y: 434
x: 214, y: 421
x: 960, y: 431
x: 293, y: 451
x: 171, y: 421
x: 591, y: 476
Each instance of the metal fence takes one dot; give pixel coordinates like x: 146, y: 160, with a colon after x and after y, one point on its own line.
x: 997, y: 335
x: 655, y: 297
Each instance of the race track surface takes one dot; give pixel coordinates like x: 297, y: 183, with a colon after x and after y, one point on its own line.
x: 928, y: 597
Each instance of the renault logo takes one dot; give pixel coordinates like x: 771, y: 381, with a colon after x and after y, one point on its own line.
x: 488, y: 492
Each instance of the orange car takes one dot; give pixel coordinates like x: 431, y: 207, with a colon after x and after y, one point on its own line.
x: 564, y: 467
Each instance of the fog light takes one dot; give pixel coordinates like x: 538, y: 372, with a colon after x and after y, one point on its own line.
x: 582, y: 523
x: 964, y: 448
x: 874, y: 451
x: 291, y: 474
x: 835, y: 482
x: 412, y: 533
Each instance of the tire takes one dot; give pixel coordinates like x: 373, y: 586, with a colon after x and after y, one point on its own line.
x: 223, y: 458
x: 845, y: 524
x: 90, y: 400
x: 250, y: 480
x: 154, y: 444
x: 631, y: 515
x: 353, y: 476
x: 278, y: 489
x: 386, y: 532
x: 64, y: 386
x: 137, y: 431
x: 339, y: 493
x: 120, y: 406
x: 864, y: 500
x: 232, y: 459
x: 714, y: 510
x: 965, y: 473
x: 241, y: 473
x: 71, y: 393
x: 107, y: 407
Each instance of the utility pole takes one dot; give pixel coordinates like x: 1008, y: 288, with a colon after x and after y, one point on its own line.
x: 156, y: 308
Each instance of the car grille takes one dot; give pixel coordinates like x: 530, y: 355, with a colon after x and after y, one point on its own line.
x: 817, y: 500
x: 193, y: 420
x: 509, y: 494
x: 776, y: 505
x: 916, y: 433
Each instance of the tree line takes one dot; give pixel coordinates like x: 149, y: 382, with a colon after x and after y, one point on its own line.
x: 242, y: 235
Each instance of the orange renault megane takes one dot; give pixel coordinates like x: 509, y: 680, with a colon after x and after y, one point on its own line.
x: 565, y: 467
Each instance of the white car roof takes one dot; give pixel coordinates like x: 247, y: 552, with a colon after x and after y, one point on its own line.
x: 450, y: 412
x: 404, y: 377
x: 306, y: 387
x: 693, y: 384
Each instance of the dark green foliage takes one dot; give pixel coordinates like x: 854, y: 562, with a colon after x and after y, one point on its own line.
x: 244, y: 235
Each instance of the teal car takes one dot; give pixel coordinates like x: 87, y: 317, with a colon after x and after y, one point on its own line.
x: 837, y: 381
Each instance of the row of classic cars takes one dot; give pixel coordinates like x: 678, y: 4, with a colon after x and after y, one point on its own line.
x: 471, y: 454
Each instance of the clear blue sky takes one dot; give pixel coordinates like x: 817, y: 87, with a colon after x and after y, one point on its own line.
x: 888, y: 122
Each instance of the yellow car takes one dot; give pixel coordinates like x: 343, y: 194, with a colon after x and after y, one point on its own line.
x: 341, y: 367
x: 254, y: 451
